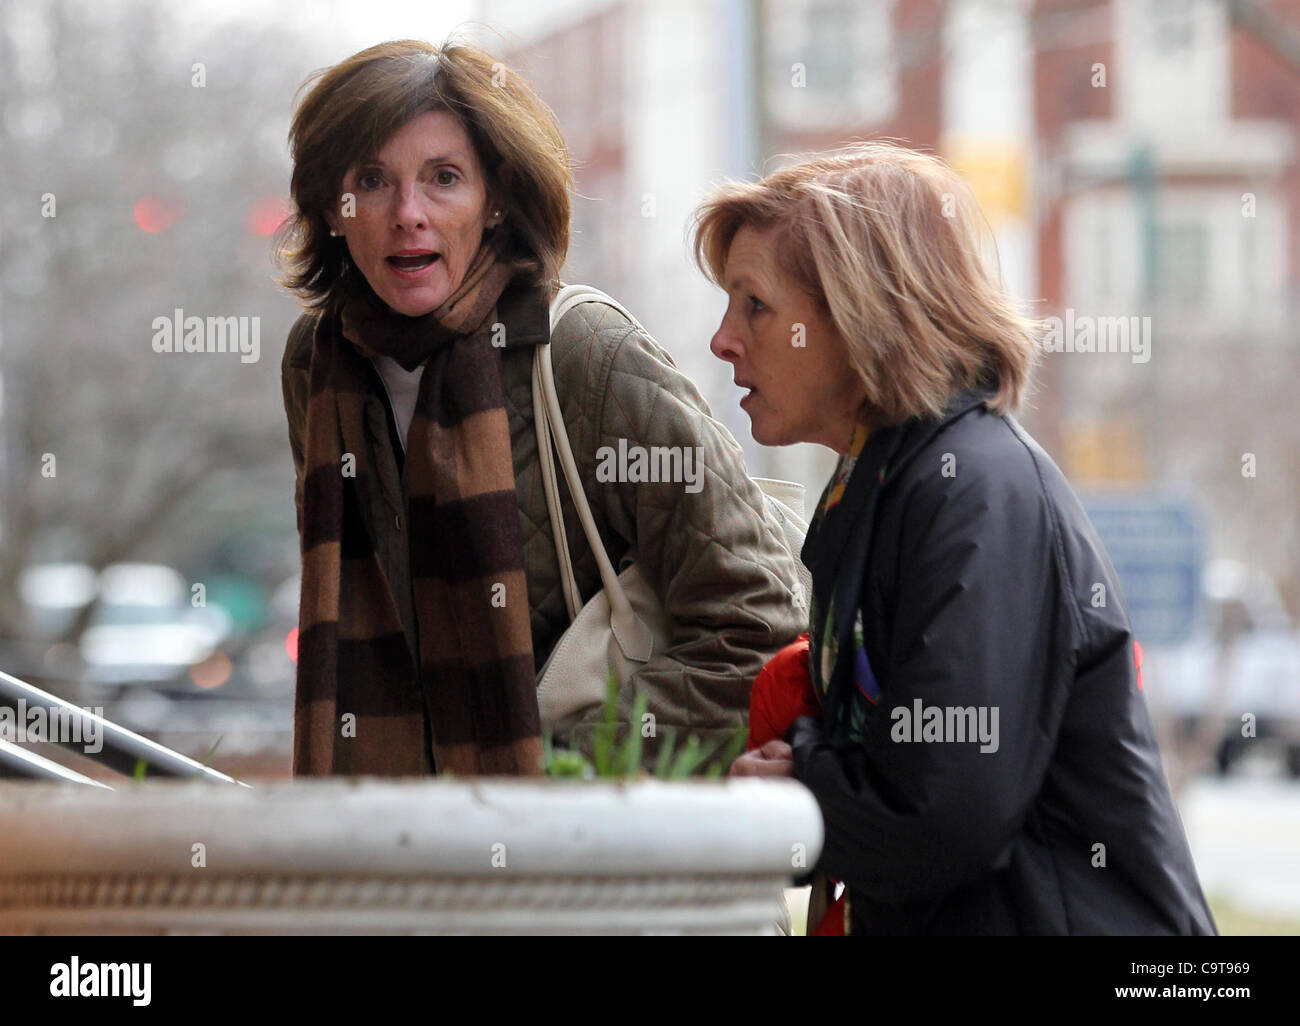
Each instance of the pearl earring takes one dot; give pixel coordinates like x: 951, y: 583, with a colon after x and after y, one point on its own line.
x: 334, y: 233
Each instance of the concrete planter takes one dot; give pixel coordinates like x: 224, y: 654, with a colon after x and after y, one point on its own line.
x: 367, y: 856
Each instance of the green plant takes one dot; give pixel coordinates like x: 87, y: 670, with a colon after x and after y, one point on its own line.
x: 207, y: 759
x: 622, y: 759
x: 141, y: 769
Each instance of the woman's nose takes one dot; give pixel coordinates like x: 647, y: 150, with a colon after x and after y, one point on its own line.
x: 409, y: 214
x: 724, y: 345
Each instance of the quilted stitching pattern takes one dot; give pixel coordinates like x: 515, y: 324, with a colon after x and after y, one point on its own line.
x: 717, y: 558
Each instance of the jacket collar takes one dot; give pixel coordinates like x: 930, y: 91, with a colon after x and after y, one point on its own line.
x: 917, y: 434
x: 887, y: 451
x: 837, y: 548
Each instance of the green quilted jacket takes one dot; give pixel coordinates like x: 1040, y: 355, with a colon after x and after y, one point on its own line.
x: 716, y: 557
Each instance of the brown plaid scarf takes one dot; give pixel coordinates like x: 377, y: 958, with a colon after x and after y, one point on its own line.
x: 474, y: 669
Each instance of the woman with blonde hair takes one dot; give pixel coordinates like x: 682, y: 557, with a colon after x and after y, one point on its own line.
x: 432, y: 189
x: 982, y: 756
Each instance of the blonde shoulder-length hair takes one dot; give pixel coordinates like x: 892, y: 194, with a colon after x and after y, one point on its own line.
x: 888, y: 241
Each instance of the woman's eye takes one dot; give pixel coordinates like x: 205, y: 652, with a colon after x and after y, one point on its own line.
x: 756, y: 305
x: 445, y: 176
x: 369, y: 181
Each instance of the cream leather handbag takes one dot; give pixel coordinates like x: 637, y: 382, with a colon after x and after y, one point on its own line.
x: 624, y: 623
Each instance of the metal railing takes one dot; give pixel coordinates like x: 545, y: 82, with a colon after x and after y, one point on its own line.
x: 118, y: 749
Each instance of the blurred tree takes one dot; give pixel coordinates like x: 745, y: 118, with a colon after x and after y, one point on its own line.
x: 137, y: 176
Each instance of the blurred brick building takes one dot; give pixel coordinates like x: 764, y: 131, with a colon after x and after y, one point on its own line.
x: 1135, y: 158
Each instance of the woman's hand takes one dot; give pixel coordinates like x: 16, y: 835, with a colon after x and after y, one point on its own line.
x: 774, y: 759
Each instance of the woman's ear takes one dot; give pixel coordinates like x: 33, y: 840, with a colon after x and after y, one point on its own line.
x: 498, y: 197
x: 496, y: 208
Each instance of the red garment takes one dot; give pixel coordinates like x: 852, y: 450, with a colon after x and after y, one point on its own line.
x: 782, y: 692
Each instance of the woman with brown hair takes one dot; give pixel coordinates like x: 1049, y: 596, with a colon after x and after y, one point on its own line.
x: 432, y: 189
x: 982, y: 756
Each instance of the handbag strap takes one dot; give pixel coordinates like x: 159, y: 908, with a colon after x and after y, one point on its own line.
x: 551, y: 487
x: 633, y: 635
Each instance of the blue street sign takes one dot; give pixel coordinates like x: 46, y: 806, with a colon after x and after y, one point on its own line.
x: 1156, y: 545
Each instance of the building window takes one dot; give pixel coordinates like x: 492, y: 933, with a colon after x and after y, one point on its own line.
x: 1204, y: 267
x: 1174, y: 59
x: 1182, y: 252
x: 1171, y: 25
x: 830, y: 63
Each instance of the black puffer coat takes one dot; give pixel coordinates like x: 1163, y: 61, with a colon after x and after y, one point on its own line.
x: 981, y: 584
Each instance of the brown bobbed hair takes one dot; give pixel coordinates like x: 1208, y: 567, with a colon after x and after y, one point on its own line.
x: 891, y: 243
x: 356, y: 106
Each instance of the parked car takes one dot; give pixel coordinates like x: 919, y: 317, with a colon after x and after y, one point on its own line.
x: 54, y: 594
x: 53, y: 597
x: 142, y: 629
x: 145, y: 631
x: 1241, y: 667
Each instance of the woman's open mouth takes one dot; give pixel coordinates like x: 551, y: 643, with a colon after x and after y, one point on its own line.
x: 413, y: 263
